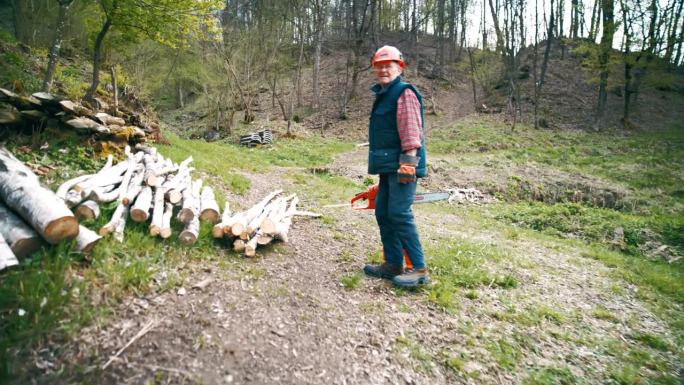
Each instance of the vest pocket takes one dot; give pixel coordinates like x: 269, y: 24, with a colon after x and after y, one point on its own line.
x: 384, y: 160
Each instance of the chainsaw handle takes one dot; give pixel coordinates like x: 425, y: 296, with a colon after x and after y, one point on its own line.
x: 369, y: 195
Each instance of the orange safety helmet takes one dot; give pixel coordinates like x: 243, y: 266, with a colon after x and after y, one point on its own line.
x: 388, y: 53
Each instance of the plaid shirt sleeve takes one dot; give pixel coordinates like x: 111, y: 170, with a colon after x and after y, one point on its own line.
x: 408, y: 120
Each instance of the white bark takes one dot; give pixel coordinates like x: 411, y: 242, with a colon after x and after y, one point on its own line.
x: 218, y: 230
x: 190, y: 201
x: 22, y: 239
x: 88, y: 210
x: 7, y: 257
x: 126, y: 180
x: 246, y: 217
x: 140, y: 211
x: 209, y: 209
x: 165, y: 230
x: 118, y: 215
x: 134, y: 186
x: 157, y: 211
x: 268, y: 226
x: 40, y: 207
x: 104, y: 194
x: 251, y: 245
x: 283, y: 227
x: 64, y: 188
x: 120, y: 226
x: 86, y: 240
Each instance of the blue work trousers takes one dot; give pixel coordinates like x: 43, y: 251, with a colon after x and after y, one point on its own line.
x: 397, y: 227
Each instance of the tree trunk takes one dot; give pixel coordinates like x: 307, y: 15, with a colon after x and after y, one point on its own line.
x: 40, y: 207
x: 56, y: 44
x: 209, y: 209
x: 472, y: 76
x: 497, y: 29
x: 97, y: 57
x: 547, y: 51
x: 604, y: 55
x: 115, y: 92
x: 595, y: 20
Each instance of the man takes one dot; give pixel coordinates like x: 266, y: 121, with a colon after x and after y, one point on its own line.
x: 397, y: 153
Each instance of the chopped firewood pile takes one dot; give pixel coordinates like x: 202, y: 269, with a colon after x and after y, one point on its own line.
x: 147, y: 188
x: 264, y: 136
x: 38, y: 109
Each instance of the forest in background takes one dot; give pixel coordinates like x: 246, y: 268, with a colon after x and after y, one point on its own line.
x: 228, y: 52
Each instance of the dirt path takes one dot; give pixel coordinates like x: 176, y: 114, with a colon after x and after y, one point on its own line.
x: 284, y: 318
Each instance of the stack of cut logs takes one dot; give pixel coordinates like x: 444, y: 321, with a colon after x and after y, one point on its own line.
x: 264, y: 136
x: 37, y: 109
x: 147, y: 187
x: 30, y: 213
x: 269, y: 219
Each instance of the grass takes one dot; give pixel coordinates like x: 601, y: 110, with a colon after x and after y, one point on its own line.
x: 422, y: 359
x: 459, y: 263
x: 229, y: 161
x: 551, y: 376
x: 351, y: 281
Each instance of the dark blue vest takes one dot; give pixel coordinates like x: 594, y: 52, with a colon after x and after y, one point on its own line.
x: 383, y: 135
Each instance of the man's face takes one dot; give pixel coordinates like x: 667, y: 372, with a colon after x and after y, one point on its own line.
x: 386, y: 71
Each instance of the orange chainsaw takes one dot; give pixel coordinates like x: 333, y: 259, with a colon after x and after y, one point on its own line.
x: 372, y: 192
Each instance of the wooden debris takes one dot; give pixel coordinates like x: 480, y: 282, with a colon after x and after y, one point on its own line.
x: 209, y: 210
x: 88, y: 210
x: 86, y: 240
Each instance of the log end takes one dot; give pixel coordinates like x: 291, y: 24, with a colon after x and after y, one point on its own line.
x: 239, y: 245
x: 61, y: 229
x: 217, y: 231
x: 268, y: 226
x: 26, y: 246
x: 175, y: 196
x: 84, y: 212
x: 187, y: 237
x: 237, y: 229
x: 210, y: 215
x: 165, y: 233
x: 264, y: 239
x: 154, y: 230
x: 186, y: 215
x: 138, y: 215
x: 250, y: 250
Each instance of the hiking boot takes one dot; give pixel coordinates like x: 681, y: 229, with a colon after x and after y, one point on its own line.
x: 411, y: 278
x: 386, y: 270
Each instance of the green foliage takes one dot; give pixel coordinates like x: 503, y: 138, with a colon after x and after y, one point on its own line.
x: 661, y: 276
x: 652, y: 340
x: 15, y: 68
x: 488, y: 71
x: 459, y: 263
x: 551, y: 376
x: 422, y: 358
x: 351, y: 281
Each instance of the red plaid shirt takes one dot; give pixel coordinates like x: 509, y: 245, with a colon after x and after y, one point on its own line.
x: 408, y: 120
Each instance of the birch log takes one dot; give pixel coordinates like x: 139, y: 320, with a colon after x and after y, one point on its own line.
x: 140, y: 211
x: 189, y: 235
x: 7, y: 257
x: 126, y: 180
x: 165, y: 230
x: 209, y: 209
x: 245, y: 218
x: 157, y: 211
x: 41, y: 208
x: 118, y: 215
x: 190, y: 201
x: 283, y: 227
x: 22, y: 239
x: 86, y: 240
x: 134, y: 186
x: 88, y: 210
x: 239, y: 245
x: 120, y: 226
x: 251, y: 245
x: 64, y: 188
x: 217, y: 231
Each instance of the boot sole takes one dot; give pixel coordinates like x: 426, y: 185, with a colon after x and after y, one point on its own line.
x: 380, y: 276
x: 416, y: 283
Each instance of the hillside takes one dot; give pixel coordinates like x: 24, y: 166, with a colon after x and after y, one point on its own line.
x: 567, y: 271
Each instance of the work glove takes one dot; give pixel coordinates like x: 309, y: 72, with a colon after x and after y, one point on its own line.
x: 407, y: 168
